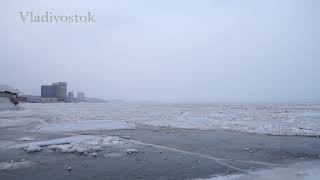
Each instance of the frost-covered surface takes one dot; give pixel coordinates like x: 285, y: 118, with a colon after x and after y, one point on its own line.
x: 301, y: 171
x: 15, y: 165
x: 274, y: 118
x: 80, y: 144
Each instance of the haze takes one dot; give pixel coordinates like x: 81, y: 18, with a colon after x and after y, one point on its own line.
x: 196, y: 50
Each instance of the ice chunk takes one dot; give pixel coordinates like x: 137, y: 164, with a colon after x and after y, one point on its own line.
x: 69, y: 168
x: 26, y: 139
x: 32, y: 148
x: 131, y: 151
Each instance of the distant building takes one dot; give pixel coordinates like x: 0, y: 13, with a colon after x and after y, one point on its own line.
x: 81, y: 97
x: 47, y: 91
x: 70, y: 96
x: 10, y: 93
x: 56, y: 90
x: 29, y: 98
x: 49, y: 100
x: 60, y: 89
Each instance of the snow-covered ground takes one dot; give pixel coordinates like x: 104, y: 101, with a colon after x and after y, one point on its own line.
x: 276, y: 119
x: 305, y: 171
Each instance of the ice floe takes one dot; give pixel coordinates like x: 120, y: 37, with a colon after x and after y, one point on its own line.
x: 32, y: 148
x: 83, y: 144
x: 132, y: 151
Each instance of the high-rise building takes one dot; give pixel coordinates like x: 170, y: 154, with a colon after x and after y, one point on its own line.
x: 47, y: 91
x: 57, y: 90
x: 60, y: 89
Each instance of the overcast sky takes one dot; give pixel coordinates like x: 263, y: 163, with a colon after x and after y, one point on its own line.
x: 167, y: 50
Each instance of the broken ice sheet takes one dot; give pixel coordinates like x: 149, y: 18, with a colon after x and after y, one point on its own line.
x: 81, y: 143
x: 15, y: 165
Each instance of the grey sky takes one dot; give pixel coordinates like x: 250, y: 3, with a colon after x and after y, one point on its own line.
x: 168, y: 50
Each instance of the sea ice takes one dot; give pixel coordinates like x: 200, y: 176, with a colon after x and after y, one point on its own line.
x: 32, y: 148
x: 83, y: 144
x: 263, y: 118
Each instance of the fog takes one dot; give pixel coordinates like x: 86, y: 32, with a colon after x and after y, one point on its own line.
x: 181, y: 50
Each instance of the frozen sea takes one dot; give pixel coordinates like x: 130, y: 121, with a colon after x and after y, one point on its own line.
x: 161, y: 141
x: 275, y: 118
